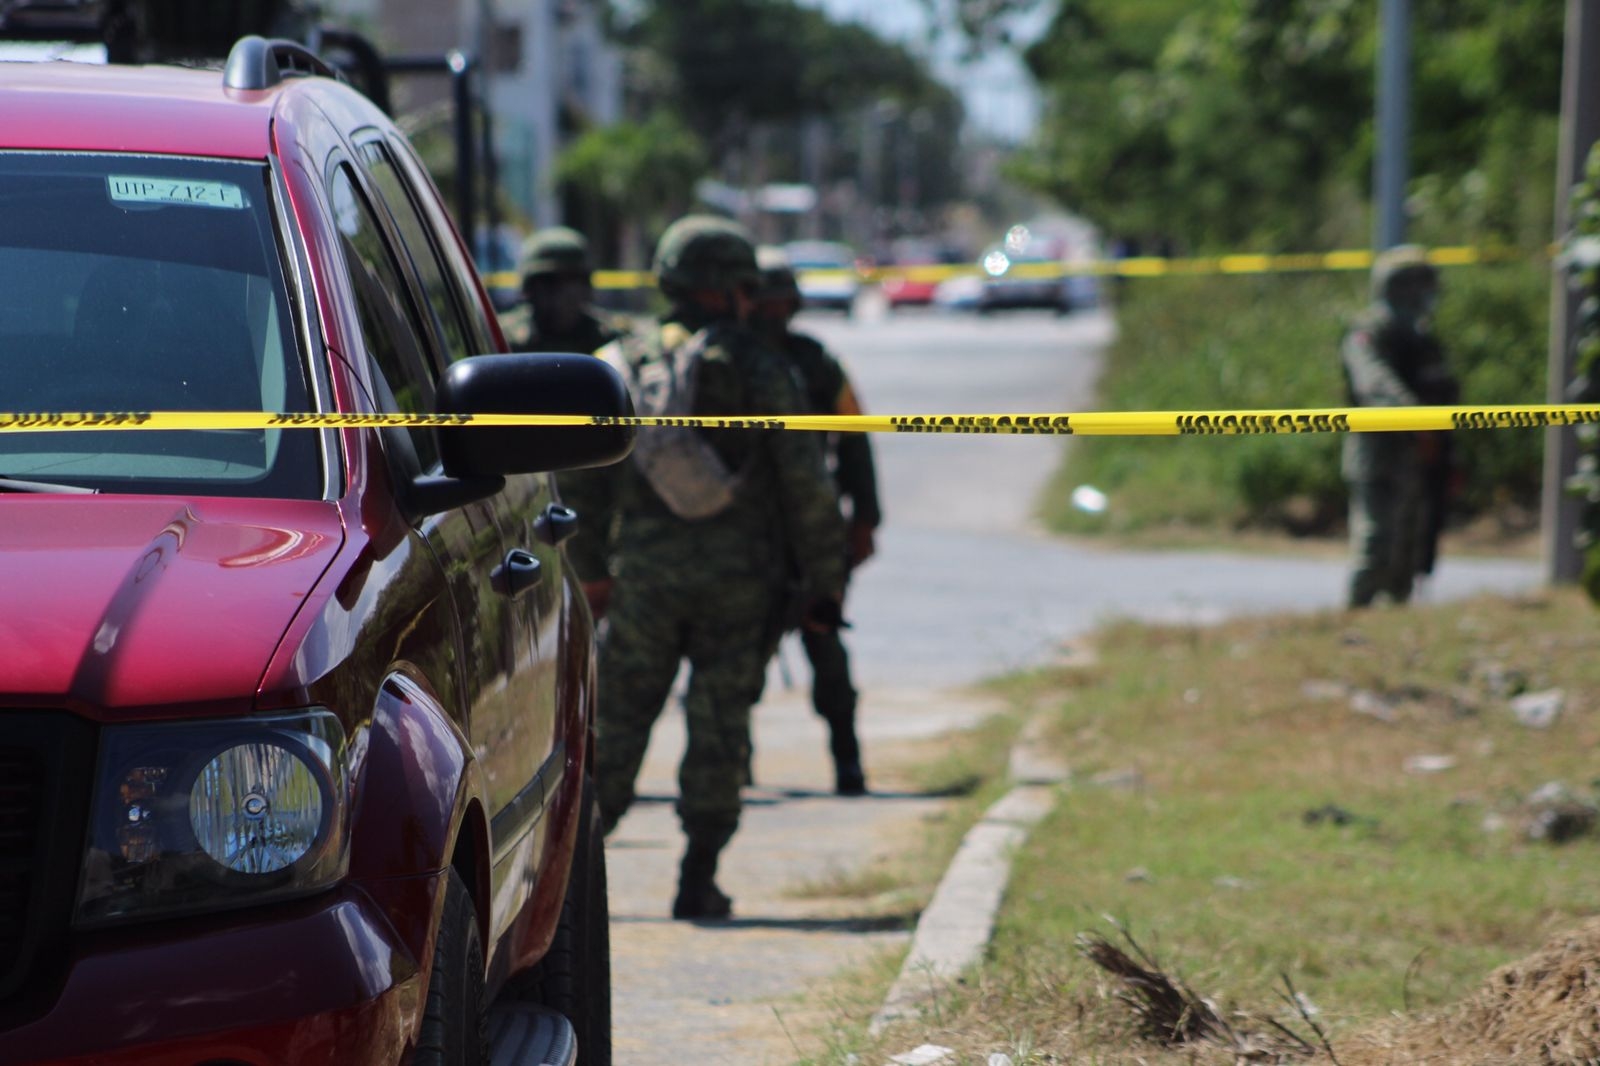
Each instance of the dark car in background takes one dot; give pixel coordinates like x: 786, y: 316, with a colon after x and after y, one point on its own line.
x: 1021, y: 275
x: 497, y: 254
x: 295, y: 723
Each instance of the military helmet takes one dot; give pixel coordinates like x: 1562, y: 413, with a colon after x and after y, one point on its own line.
x: 705, y: 252
x: 1405, y: 261
x: 777, y: 276
x: 555, y: 250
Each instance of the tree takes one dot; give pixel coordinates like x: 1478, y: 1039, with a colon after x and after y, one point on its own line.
x: 756, y: 80
x: 726, y: 65
x: 980, y: 24
x: 630, y: 179
x: 1235, y: 123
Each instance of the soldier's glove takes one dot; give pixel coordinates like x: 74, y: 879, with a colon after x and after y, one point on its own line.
x: 1430, y: 448
x: 598, y: 593
x: 824, y: 615
x: 861, y: 544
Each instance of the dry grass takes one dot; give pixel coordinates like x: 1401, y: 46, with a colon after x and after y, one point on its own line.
x: 1541, y: 1009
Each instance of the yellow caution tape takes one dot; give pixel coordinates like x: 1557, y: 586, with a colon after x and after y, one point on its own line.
x: 1083, y: 423
x: 1136, y: 267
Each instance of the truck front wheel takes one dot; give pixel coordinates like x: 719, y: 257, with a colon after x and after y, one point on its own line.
x: 454, y: 1026
x: 575, y: 975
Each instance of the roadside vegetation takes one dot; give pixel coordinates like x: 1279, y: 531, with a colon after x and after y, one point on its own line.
x: 1334, y: 826
x: 1184, y: 128
x: 969, y: 768
x: 1273, y: 342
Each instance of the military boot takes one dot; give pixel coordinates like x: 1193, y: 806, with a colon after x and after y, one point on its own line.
x: 849, y: 779
x: 698, y: 895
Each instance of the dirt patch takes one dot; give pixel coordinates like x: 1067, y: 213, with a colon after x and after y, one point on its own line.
x: 1543, y: 1009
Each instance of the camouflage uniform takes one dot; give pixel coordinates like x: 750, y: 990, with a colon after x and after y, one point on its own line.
x: 591, y: 333
x: 1396, y: 480
x: 827, y: 391
x: 552, y: 255
x: 710, y: 591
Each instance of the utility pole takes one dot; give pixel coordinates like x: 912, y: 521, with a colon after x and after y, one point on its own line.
x: 1580, y: 128
x: 1394, y: 122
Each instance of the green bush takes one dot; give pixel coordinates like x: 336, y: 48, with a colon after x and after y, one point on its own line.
x: 1273, y: 342
x: 1495, y: 324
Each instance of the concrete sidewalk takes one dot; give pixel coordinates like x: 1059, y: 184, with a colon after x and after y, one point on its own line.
x: 732, y: 992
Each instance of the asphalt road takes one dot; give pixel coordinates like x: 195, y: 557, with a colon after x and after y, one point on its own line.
x: 964, y: 587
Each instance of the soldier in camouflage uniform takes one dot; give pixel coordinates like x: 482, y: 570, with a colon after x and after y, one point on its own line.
x: 556, y: 315
x: 1392, y: 359
x: 709, y: 590
x: 827, y: 392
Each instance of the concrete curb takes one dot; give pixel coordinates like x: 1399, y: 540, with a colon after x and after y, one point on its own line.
x: 955, y: 928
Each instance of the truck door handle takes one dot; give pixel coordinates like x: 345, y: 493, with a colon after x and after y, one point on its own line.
x: 517, y: 574
x: 556, y: 525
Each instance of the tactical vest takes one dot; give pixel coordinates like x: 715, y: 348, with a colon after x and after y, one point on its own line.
x: 678, y: 462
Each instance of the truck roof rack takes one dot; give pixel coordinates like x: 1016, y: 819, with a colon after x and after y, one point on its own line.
x: 259, y: 63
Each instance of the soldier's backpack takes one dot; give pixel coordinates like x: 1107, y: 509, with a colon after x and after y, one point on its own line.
x: 682, y: 467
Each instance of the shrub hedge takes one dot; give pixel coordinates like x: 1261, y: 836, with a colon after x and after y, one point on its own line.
x: 1273, y: 342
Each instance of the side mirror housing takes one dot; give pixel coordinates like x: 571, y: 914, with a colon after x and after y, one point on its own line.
x: 533, y: 384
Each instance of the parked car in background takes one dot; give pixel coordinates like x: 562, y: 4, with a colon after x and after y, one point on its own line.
x: 295, y: 723
x: 960, y: 293
x: 912, y: 277
x: 496, y: 254
x: 829, y: 275
x: 1023, y: 274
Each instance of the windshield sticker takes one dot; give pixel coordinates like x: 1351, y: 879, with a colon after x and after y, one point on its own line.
x: 145, y: 190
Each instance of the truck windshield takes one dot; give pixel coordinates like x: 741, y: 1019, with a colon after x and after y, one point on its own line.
x: 148, y: 283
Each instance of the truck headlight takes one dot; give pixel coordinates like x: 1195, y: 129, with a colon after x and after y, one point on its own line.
x: 192, y: 816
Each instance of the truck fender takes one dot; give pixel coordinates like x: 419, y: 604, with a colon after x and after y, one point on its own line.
x: 417, y: 792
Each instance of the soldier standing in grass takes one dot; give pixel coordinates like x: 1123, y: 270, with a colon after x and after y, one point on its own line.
x: 1398, y: 482
x: 558, y: 291
x: 697, y: 533
x: 827, y: 391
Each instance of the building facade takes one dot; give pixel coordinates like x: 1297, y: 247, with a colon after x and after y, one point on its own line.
x: 550, y: 73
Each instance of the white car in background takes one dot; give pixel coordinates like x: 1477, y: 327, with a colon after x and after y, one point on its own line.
x: 827, y: 273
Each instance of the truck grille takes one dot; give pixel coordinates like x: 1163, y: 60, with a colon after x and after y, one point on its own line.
x: 19, y: 832
x: 46, y: 773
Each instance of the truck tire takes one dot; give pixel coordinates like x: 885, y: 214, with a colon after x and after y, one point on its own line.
x: 454, y: 1025
x: 574, y: 977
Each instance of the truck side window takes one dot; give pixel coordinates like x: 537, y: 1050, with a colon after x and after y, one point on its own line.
x: 459, y: 268
x: 452, y: 330
x: 390, y: 323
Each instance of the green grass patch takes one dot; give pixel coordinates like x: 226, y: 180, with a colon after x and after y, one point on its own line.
x: 970, y: 767
x: 972, y: 763
x: 1273, y: 342
x: 1235, y: 810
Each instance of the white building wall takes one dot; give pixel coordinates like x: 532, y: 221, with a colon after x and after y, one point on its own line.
x: 564, y: 56
x: 526, y: 107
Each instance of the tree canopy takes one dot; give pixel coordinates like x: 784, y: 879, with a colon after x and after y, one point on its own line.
x: 1249, y: 122
x: 773, y: 91
x: 726, y: 65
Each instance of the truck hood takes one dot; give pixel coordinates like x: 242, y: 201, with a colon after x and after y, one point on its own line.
x: 111, y: 602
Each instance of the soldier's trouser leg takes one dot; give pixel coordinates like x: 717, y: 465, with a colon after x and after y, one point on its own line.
x: 727, y: 649
x: 832, y: 693
x: 638, y: 661
x: 1408, y: 533
x: 1374, y: 546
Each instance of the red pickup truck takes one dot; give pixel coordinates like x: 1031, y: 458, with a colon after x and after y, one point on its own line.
x: 295, y: 723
